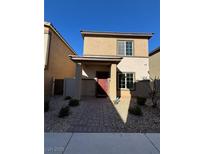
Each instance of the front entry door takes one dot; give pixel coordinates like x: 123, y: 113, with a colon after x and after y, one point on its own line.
x: 102, y: 85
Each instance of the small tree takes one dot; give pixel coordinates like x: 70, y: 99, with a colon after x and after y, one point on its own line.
x: 155, y: 91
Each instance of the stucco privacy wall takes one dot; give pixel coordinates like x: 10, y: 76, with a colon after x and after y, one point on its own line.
x: 72, y: 86
x: 108, y: 46
x: 89, y: 78
x: 59, y: 66
x: 154, y: 65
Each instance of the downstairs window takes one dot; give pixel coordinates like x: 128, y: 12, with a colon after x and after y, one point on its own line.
x: 126, y: 81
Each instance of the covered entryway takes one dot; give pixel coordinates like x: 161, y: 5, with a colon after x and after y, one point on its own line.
x: 95, y: 80
x: 97, y: 76
x: 102, y: 84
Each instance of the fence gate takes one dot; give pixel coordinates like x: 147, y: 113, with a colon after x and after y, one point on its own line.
x: 58, y: 86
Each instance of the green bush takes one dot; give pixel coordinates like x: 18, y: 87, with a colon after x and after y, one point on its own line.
x: 67, y: 98
x: 64, y: 111
x: 141, y: 100
x: 136, y: 111
x: 46, y: 106
x: 74, y: 102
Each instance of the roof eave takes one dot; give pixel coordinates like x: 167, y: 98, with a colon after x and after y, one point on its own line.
x: 116, y: 34
x: 49, y: 24
x: 95, y: 59
x: 156, y: 50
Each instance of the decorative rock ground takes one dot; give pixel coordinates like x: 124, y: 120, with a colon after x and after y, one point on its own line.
x: 99, y: 115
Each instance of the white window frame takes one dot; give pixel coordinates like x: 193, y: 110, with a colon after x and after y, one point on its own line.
x: 124, y: 41
x: 126, y: 80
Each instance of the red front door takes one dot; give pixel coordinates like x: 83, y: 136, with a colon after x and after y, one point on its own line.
x: 102, y: 85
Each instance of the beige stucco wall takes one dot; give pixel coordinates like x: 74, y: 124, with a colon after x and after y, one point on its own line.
x: 113, y: 82
x: 46, y: 45
x: 89, y: 71
x: 108, y: 46
x: 154, y: 65
x: 59, y: 66
x: 88, y: 87
x: 140, y: 68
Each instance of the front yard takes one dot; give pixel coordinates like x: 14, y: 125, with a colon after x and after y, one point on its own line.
x: 99, y: 115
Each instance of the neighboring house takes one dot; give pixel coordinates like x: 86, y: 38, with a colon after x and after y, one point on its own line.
x: 57, y: 66
x: 113, y: 64
x: 154, y: 63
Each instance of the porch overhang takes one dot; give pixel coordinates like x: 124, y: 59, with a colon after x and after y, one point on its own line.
x: 95, y: 59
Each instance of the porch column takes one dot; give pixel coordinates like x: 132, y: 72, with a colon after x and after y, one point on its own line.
x: 78, y: 76
x: 113, y: 82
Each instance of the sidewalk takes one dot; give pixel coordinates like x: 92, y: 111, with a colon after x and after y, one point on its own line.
x: 102, y: 143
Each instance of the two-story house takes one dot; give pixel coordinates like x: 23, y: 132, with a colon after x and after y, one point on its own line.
x: 154, y: 63
x: 112, y: 63
x: 57, y: 66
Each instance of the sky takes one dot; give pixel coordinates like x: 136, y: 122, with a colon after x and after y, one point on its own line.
x: 71, y: 16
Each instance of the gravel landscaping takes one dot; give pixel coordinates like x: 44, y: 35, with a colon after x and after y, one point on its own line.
x: 99, y: 115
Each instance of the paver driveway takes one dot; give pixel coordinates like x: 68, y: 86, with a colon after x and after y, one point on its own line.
x: 100, y: 115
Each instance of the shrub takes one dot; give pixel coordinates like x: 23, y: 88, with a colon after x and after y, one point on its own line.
x: 141, y: 100
x: 64, y: 111
x: 67, y: 98
x: 46, y: 106
x: 74, y: 102
x: 136, y: 111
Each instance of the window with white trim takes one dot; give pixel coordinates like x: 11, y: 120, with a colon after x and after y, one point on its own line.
x: 126, y: 81
x: 125, y: 48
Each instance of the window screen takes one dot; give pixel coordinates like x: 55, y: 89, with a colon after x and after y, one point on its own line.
x: 121, y: 47
x: 125, y: 48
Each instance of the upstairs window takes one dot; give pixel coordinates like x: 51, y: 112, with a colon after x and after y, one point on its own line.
x: 125, y: 48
